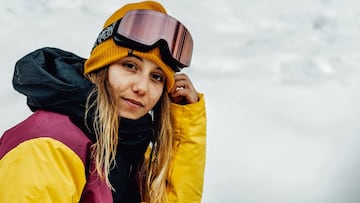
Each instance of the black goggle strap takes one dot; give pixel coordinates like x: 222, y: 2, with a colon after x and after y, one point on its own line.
x: 105, y: 34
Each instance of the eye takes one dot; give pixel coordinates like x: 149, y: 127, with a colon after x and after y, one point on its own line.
x: 130, y: 66
x: 158, y: 77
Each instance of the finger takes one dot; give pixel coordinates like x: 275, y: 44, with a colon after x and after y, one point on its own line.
x: 183, y: 81
x: 181, y: 76
x: 181, y: 84
x: 184, y: 88
x: 190, y: 95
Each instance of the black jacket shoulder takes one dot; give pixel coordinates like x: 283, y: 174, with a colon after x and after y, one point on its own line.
x: 52, y: 79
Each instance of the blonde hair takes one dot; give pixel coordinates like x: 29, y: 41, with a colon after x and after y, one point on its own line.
x: 152, y: 175
x: 154, y: 172
x: 105, y: 124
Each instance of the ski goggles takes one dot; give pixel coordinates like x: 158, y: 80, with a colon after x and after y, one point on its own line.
x: 143, y: 30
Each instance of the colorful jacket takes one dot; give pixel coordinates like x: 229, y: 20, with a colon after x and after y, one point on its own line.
x: 46, y: 158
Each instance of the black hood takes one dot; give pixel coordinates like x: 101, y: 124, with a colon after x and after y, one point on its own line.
x: 52, y: 79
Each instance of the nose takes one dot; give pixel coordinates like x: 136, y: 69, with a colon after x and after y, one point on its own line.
x: 141, y: 84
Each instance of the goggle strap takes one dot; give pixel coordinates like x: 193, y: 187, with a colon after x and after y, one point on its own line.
x: 105, y: 34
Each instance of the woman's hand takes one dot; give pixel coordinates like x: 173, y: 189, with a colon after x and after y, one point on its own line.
x: 183, y: 91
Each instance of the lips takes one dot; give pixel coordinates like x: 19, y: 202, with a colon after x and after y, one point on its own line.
x: 134, y: 102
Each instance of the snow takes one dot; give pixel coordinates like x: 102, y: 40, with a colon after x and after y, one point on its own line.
x: 281, y: 80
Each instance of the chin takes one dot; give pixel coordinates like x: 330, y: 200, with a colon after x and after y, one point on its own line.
x: 131, y: 116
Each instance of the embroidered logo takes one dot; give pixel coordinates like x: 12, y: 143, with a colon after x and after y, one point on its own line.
x: 105, y: 34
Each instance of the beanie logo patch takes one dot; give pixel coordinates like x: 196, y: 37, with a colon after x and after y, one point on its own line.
x: 105, y: 34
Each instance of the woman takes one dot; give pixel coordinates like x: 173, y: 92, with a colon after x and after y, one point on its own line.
x: 93, y: 139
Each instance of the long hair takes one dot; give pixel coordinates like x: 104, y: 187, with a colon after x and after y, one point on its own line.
x: 105, y: 124
x: 154, y: 171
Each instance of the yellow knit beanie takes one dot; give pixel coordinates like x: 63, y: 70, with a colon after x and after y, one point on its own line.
x: 108, y: 52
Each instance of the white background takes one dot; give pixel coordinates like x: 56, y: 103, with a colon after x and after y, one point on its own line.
x: 281, y: 80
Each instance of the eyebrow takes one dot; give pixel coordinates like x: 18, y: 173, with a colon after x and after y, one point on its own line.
x: 141, y: 59
x: 138, y: 57
x: 160, y: 69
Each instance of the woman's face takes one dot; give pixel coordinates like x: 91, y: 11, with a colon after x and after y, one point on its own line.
x: 137, y: 84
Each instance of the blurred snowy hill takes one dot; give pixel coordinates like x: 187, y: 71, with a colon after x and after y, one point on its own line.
x: 281, y: 80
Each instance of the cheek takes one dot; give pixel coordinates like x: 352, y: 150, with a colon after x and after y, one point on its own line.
x: 114, y: 86
x: 155, y: 95
x: 115, y: 83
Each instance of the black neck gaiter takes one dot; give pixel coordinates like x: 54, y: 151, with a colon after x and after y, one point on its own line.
x: 134, y: 138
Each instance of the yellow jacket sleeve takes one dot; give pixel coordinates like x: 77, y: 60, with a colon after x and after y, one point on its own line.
x: 185, y: 182
x: 41, y: 170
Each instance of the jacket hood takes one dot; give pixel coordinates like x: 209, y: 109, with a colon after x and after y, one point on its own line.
x: 52, y: 79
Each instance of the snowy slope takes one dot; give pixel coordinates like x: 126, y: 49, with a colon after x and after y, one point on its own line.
x: 281, y: 79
